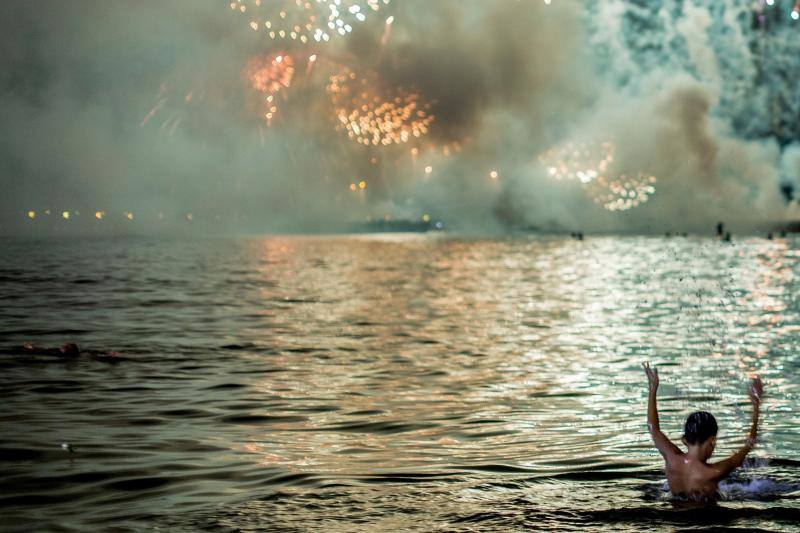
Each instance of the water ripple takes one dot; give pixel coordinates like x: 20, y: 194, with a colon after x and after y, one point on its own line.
x: 389, y: 383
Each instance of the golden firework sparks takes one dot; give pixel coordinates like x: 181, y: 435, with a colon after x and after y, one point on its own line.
x: 272, y: 74
x: 583, y: 161
x: 591, y: 163
x: 372, y: 114
x: 623, y: 192
x: 305, y: 21
x: 269, y: 76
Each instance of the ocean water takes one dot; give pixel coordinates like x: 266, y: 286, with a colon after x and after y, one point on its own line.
x: 390, y: 382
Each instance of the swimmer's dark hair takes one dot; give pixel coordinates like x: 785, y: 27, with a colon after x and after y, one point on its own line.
x: 69, y: 350
x: 700, y: 426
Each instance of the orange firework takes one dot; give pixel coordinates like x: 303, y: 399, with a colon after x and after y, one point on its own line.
x: 373, y: 114
x: 269, y: 76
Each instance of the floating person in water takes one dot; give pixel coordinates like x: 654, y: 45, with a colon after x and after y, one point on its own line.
x: 688, y: 474
x: 70, y: 350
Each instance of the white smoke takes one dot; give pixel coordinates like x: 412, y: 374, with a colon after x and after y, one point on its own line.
x: 661, y: 100
x: 686, y: 90
x: 790, y: 165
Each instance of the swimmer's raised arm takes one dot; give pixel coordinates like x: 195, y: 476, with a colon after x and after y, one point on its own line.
x: 723, y: 468
x: 662, y: 442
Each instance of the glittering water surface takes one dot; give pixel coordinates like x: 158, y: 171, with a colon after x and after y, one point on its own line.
x: 390, y: 382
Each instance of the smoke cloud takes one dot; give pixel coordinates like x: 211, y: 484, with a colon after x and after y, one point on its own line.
x: 142, y: 112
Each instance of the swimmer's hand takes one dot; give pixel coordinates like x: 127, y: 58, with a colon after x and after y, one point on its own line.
x: 666, y: 447
x: 652, y: 376
x: 756, y: 390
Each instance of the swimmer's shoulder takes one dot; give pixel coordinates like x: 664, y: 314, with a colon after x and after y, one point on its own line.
x: 675, y: 457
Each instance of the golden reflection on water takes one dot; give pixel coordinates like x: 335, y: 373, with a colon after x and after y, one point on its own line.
x: 439, y: 351
x: 365, y: 375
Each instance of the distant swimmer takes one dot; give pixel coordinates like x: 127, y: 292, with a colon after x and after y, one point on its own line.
x: 69, y: 350
x: 688, y: 474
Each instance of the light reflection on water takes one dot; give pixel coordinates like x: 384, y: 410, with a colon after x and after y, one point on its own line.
x: 389, y: 381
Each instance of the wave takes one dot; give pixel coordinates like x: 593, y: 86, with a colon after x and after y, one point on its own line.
x: 758, y: 489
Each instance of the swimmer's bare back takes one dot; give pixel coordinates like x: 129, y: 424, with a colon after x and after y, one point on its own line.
x: 689, y: 474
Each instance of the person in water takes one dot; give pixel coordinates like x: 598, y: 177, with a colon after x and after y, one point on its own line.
x: 688, y: 473
x: 70, y: 350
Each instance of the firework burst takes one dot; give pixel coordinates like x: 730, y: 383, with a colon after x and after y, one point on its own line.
x: 269, y: 76
x: 623, y: 192
x: 583, y: 161
x: 374, y: 115
x: 591, y: 164
x: 305, y: 21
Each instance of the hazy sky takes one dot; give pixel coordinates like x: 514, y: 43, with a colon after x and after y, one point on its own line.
x: 147, y: 108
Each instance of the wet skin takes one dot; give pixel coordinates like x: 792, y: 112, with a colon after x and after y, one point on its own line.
x: 689, y: 474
